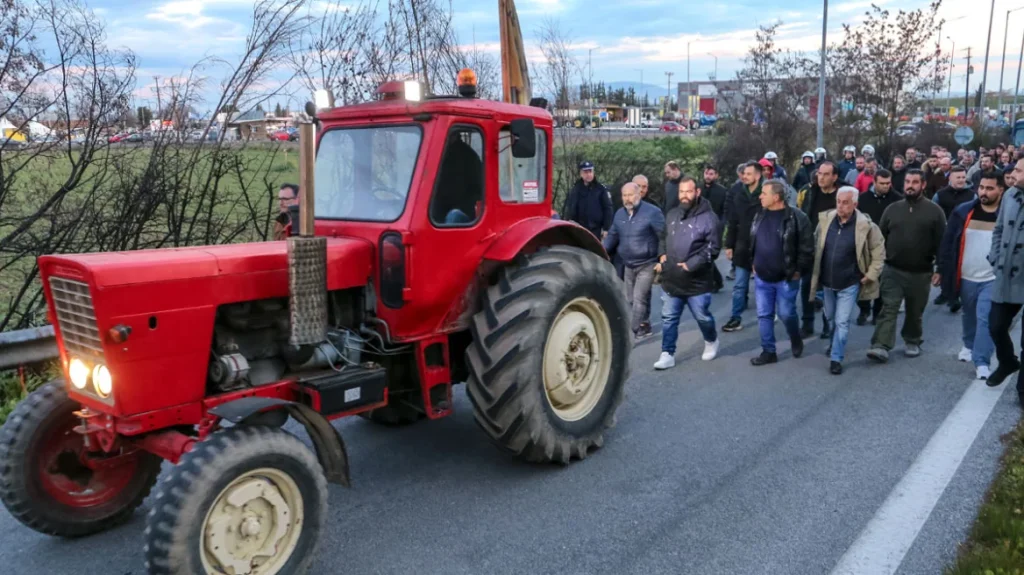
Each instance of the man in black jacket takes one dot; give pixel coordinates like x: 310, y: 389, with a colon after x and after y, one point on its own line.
x: 589, y: 203
x: 715, y: 194
x: 737, y: 187
x: 820, y: 197
x: 635, y: 234
x: 689, y: 247
x: 899, y: 170
x: 673, y: 175
x: 872, y: 204
x: 737, y: 239
x: 781, y: 246
x: 807, y: 168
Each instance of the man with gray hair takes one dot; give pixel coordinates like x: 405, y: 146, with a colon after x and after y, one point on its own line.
x: 635, y: 233
x: 848, y: 261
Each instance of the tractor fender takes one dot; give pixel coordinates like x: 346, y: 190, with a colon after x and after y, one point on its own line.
x: 330, y: 448
x: 529, y: 235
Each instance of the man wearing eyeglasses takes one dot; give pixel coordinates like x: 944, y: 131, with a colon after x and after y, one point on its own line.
x: 287, y: 196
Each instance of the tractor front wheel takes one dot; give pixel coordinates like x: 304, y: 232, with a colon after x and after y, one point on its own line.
x: 49, y: 480
x: 550, y: 355
x: 250, y: 499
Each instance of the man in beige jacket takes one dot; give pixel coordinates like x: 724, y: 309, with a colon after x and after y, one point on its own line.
x: 848, y: 257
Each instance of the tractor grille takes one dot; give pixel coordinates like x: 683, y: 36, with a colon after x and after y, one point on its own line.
x: 76, y: 318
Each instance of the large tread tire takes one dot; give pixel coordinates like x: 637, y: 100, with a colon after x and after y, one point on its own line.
x: 21, y: 486
x: 506, y: 357
x: 174, y: 525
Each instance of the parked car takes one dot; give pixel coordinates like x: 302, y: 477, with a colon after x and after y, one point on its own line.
x: 280, y: 136
x: 673, y: 127
x: 702, y: 120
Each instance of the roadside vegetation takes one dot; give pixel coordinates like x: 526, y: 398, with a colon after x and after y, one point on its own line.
x: 996, y: 542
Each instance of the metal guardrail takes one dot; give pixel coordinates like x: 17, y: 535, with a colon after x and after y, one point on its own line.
x: 27, y: 346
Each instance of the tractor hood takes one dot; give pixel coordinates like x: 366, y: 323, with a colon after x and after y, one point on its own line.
x: 349, y: 264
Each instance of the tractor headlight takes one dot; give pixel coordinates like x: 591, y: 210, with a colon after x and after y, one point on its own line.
x: 102, y: 380
x: 79, y: 373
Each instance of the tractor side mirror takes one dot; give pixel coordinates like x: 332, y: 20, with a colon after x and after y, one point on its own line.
x: 524, y: 138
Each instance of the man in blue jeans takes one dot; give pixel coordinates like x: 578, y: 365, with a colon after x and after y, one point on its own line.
x: 690, y: 243
x: 848, y: 260
x: 965, y: 269
x: 743, y: 205
x: 781, y: 244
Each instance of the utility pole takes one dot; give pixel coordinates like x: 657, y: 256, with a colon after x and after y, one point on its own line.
x: 1016, y: 91
x: 590, y: 82
x: 668, y: 98
x: 984, y: 70
x: 821, y: 79
x: 949, y: 89
x: 715, y: 77
x: 689, y: 88
x: 938, y: 53
x: 1002, y: 69
x: 967, y: 89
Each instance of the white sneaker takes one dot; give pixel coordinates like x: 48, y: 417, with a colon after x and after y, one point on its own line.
x: 981, y: 372
x: 665, y: 361
x: 710, y: 350
x: 965, y: 354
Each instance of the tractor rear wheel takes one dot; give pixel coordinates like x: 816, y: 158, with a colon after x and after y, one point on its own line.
x: 550, y: 355
x: 249, y: 499
x: 49, y: 480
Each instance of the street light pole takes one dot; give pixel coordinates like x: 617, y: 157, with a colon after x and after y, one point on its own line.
x: 688, y: 87
x: 715, y: 77
x: 949, y: 90
x: 821, y: 79
x: 1002, y: 69
x: 984, y: 70
x: 1016, y: 91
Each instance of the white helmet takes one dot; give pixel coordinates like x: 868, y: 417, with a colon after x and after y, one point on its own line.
x: 850, y: 149
x: 808, y: 154
x: 820, y: 152
x: 771, y: 156
x: 868, y: 149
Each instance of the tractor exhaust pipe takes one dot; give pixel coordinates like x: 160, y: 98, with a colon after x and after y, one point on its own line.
x: 307, y: 255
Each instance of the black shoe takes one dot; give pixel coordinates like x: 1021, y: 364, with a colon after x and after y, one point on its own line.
x: 764, y: 358
x: 643, y: 332
x: 862, y: 319
x: 732, y: 325
x: 955, y: 306
x: 826, y: 334
x: 808, y: 329
x: 835, y: 367
x: 1001, y: 373
x: 798, y: 347
x: 941, y: 300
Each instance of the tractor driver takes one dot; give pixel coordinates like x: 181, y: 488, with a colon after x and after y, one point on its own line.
x: 287, y: 197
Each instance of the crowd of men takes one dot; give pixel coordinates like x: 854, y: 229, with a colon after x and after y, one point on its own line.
x: 839, y: 237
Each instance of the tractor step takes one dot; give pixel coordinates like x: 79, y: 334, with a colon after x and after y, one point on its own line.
x: 353, y: 387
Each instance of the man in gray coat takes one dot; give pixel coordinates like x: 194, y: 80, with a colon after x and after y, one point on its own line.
x: 1007, y: 259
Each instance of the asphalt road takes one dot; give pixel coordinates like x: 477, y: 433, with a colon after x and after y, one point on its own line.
x: 714, y: 467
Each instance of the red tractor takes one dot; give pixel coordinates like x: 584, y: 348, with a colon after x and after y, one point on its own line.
x: 425, y: 256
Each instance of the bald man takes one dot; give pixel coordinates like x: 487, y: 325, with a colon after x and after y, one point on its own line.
x: 634, y: 235
x: 641, y: 181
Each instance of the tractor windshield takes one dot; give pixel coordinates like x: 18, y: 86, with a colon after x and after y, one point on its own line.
x: 364, y: 173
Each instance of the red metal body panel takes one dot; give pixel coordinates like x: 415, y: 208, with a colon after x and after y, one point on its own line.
x: 178, y: 291
x: 707, y: 105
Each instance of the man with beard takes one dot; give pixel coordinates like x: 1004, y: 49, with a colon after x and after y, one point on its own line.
x: 715, y: 194
x: 819, y: 198
x: 899, y: 169
x: 985, y: 166
x: 736, y: 188
x: 1007, y: 259
x: 867, y: 178
x: 803, y: 174
x: 689, y: 245
x: 851, y: 176
x: 966, y: 272
x: 913, y: 228
x: 641, y: 182
x: 634, y: 235
x: 744, y: 206
x: 873, y: 205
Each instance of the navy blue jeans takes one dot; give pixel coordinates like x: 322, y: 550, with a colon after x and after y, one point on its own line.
x: 771, y: 296
x: 672, y: 310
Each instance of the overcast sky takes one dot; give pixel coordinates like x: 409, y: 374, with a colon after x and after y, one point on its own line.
x: 624, y: 35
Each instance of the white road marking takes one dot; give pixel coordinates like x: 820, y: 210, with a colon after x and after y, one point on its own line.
x: 882, y: 545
